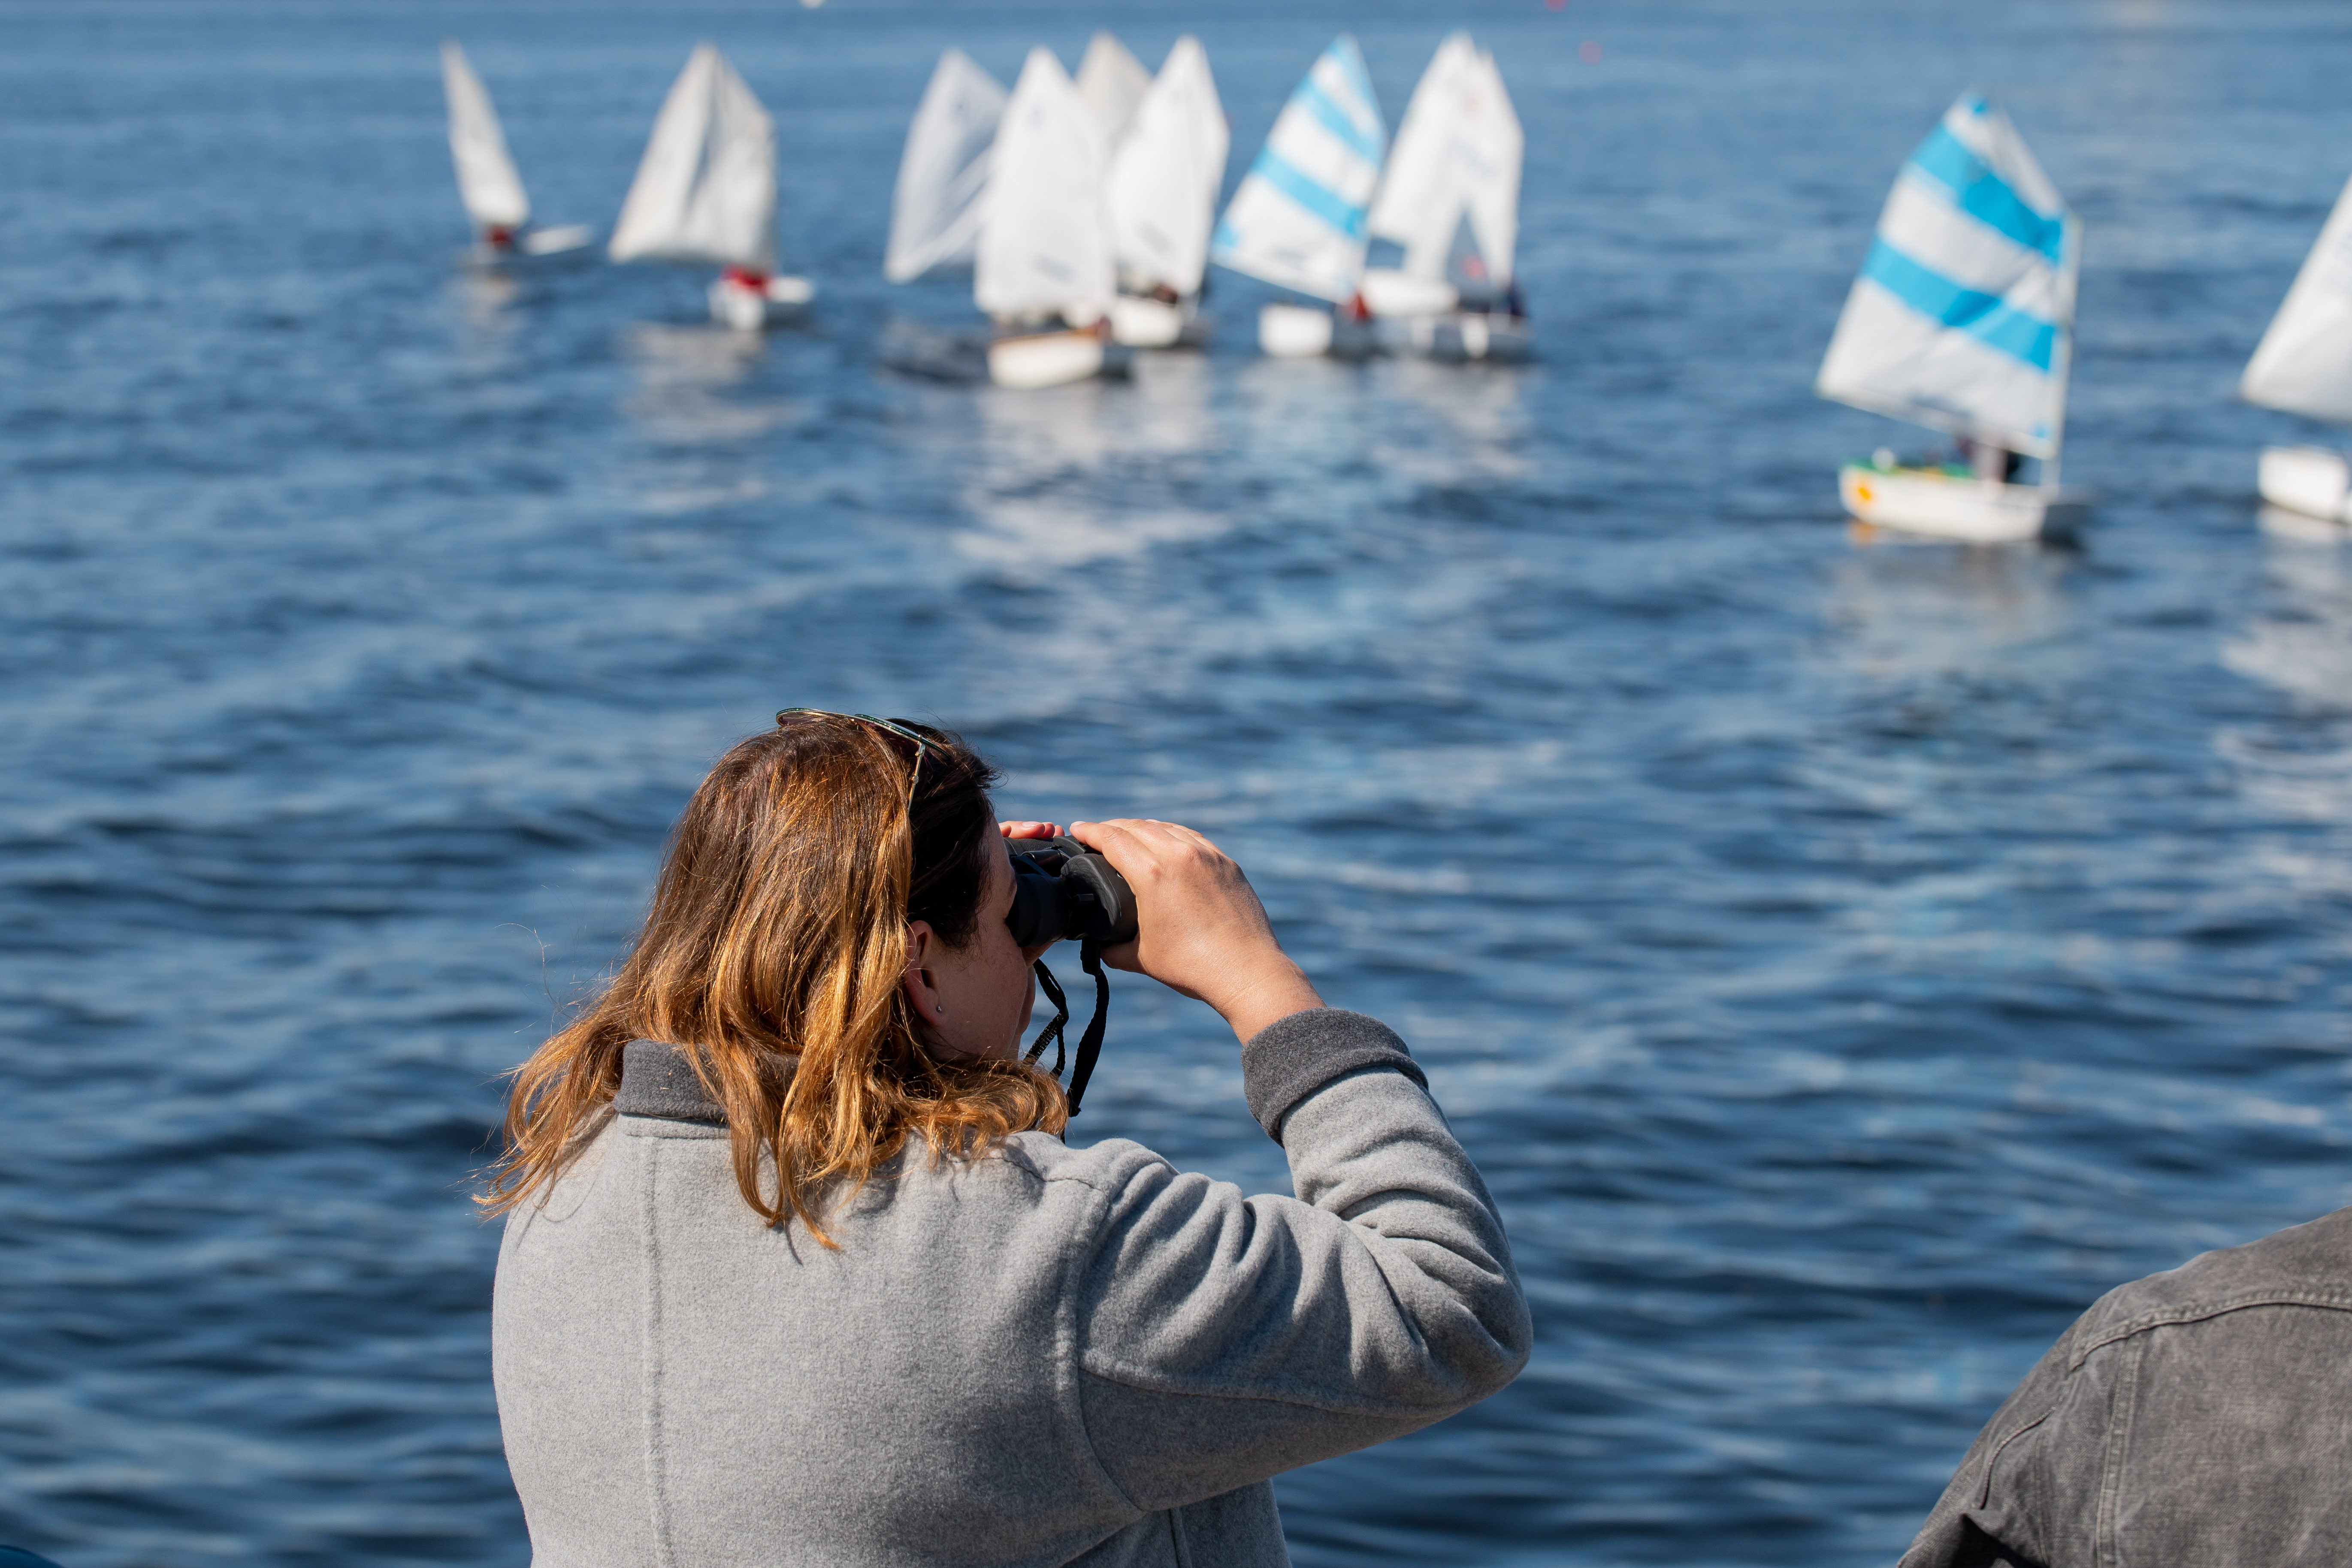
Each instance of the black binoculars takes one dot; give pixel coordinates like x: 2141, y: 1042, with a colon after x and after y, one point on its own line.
x: 1064, y: 891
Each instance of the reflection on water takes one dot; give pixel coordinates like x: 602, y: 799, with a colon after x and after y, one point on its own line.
x: 1912, y: 610
x: 690, y: 397
x: 1058, y: 477
x: 1475, y: 419
x: 2301, y: 643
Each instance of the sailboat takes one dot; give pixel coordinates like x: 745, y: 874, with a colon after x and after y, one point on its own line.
x: 1297, y: 218
x: 1962, y: 321
x: 2304, y: 365
x: 1450, y: 197
x: 1043, y: 270
x: 706, y: 193
x: 935, y: 209
x: 487, y: 179
x: 1112, y: 82
x: 1162, y: 200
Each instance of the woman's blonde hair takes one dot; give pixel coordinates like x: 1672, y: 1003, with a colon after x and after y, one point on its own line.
x: 774, y: 950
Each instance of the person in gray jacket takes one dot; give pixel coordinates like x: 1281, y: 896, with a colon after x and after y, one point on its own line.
x: 2198, y: 1416
x: 798, y: 1269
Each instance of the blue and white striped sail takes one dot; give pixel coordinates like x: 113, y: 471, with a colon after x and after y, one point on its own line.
x: 1297, y: 218
x: 1963, y: 317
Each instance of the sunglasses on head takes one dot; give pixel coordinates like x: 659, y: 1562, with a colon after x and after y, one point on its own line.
x: 888, y: 726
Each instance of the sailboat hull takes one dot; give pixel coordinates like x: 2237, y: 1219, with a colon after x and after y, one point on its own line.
x: 1389, y: 292
x: 1957, y: 506
x: 749, y: 306
x: 1462, y: 335
x: 1028, y: 361
x: 1146, y: 323
x: 2308, y: 479
x: 531, y: 250
x: 1294, y: 332
x: 1304, y: 332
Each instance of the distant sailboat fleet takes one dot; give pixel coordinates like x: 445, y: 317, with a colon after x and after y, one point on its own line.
x: 1085, y: 209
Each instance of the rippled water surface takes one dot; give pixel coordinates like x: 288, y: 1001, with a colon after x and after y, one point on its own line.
x: 1845, y: 960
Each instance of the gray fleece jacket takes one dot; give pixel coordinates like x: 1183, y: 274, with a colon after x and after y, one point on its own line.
x: 1044, y: 1355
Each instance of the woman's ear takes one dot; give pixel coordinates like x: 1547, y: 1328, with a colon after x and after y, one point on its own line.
x: 922, y: 990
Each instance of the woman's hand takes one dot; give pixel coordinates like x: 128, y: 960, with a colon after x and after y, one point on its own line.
x: 1029, y: 829
x: 1201, y: 928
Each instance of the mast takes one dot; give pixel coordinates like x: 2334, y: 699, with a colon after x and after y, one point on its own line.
x: 2063, y: 372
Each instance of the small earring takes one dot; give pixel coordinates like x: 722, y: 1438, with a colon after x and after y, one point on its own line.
x: 940, y: 1008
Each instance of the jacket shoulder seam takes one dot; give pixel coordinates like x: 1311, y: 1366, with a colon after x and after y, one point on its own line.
x: 2203, y: 1311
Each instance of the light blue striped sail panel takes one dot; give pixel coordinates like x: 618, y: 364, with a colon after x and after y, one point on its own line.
x: 1297, y: 218
x: 1962, y: 316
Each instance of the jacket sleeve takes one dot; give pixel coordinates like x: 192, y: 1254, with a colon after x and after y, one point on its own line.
x: 1222, y: 1340
x: 2027, y: 1495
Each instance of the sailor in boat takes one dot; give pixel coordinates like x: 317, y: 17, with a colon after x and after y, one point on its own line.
x: 2304, y: 365
x: 1043, y: 269
x: 1305, y: 233
x: 1448, y: 208
x: 706, y: 195
x: 488, y: 181
x: 1962, y: 320
x: 1167, y: 163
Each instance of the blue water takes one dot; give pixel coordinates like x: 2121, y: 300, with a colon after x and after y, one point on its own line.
x: 1845, y: 960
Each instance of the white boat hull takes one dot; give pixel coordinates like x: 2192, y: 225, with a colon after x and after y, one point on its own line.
x: 748, y: 306
x: 1389, y: 292
x: 1025, y: 361
x: 560, y: 240
x: 1956, y: 506
x: 1461, y: 335
x: 1294, y: 332
x: 2308, y: 479
x: 1149, y: 323
x: 529, y: 248
x: 1304, y: 332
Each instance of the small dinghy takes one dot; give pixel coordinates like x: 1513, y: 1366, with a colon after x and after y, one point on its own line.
x: 1162, y: 200
x: 1043, y: 270
x: 1962, y: 321
x: 935, y: 209
x: 706, y: 195
x: 487, y: 179
x: 1450, y: 197
x: 1297, y: 218
x: 2304, y: 365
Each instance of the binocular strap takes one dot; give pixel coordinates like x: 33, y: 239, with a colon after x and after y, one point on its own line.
x: 1089, y: 1043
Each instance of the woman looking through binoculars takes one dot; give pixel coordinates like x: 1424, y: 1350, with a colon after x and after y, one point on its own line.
x: 799, y: 1269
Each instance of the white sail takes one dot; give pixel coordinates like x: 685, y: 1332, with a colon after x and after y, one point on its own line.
x: 2303, y: 363
x: 487, y: 179
x: 935, y: 214
x: 1113, y: 83
x: 1298, y: 219
x: 1164, y: 179
x: 706, y: 190
x: 1962, y: 319
x: 1456, y: 158
x: 1043, y: 246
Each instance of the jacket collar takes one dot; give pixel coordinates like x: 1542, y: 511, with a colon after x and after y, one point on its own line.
x: 656, y: 1079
